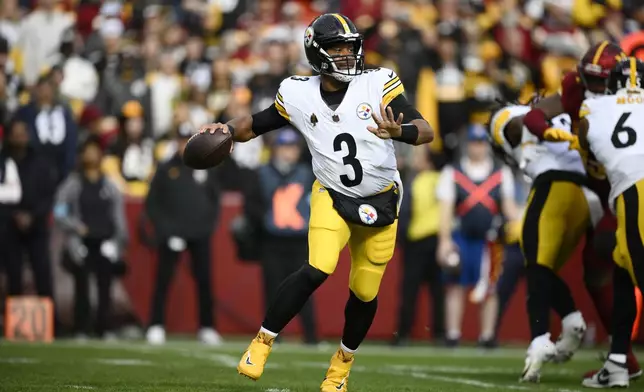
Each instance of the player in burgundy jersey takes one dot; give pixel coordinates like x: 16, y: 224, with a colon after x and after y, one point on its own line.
x: 587, y: 81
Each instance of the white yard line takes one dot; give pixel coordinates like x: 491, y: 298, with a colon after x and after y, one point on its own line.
x: 454, y: 380
x: 487, y: 370
x: 367, y: 350
x: 566, y: 390
x: 220, y: 356
x: 223, y: 359
x: 18, y: 360
x: 123, y: 361
x: 398, y: 370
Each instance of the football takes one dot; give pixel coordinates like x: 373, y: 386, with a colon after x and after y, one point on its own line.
x: 206, y: 150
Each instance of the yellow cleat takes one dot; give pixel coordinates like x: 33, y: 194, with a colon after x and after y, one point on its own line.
x: 252, y: 362
x: 337, y: 377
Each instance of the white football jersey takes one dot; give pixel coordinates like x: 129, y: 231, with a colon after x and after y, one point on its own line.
x: 536, y: 157
x: 346, y: 156
x: 616, y: 137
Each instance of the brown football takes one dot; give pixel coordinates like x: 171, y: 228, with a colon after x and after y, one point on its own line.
x: 206, y: 150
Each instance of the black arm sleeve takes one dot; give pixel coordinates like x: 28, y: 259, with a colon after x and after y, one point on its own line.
x: 401, y: 105
x: 268, y: 120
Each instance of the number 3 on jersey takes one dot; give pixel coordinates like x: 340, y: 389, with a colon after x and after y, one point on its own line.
x: 350, y: 159
x: 620, y: 129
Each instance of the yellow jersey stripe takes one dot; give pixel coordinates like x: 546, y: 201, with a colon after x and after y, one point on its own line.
x: 391, y: 87
x: 599, y: 52
x: 497, y: 128
x: 282, y: 110
x: 633, y: 72
x: 345, y: 26
x: 392, y: 81
x: 583, y: 111
x: 280, y: 98
x: 393, y: 93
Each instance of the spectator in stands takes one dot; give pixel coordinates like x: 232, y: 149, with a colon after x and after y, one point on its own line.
x: 40, y: 36
x: 4, y: 110
x: 197, y: 96
x: 10, y: 19
x: 10, y: 195
x: 89, y: 208
x: 165, y: 89
x: 220, y: 93
x: 195, y: 57
x: 450, y: 94
x: 472, y: 193
x: 183, y: 207
x: 418, y: 224
x: 79, y: 84
x: 277, y: 200
x: 11, y: 84
x: 28, y: 231
x: 90, y: 125
x: 52, y: 127
x: 130, y: 159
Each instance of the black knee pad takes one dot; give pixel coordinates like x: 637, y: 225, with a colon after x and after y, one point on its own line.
x: 313, y: 275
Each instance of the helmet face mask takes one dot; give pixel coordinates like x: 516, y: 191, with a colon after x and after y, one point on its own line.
x: 325, y: 40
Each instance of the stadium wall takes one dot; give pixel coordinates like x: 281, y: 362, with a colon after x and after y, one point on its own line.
x: 239, y: 303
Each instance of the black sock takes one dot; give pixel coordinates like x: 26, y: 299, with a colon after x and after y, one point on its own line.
x: 291, y: 297
x: 540, y: 286
x: 624, y: 311
x: 562, y: 301
x: 358, y: 317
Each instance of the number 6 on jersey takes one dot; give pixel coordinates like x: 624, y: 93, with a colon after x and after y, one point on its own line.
x: 620, y: 129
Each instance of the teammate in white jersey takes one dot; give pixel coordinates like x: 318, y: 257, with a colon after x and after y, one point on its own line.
x: 559, y: 212
x: 611, y: 127
x: 348, y: 117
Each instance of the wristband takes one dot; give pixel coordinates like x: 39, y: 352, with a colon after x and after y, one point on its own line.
x: 231, y: 129
x: 409, y: 134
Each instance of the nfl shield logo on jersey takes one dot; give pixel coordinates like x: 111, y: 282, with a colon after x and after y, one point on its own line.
x: 367, y: 214
x: 364, y: 111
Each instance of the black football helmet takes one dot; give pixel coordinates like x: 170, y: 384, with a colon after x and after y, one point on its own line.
x: 627, y: 74
x: 325, y: 31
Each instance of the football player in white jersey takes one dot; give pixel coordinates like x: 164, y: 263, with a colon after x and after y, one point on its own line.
x: 611, y: 127
x: 559, y: 212
x: 349, y: 118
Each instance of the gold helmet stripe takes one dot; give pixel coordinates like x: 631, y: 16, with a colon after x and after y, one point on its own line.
x: 344, y: 23
x: 600, y: 50
x: 633, y: 72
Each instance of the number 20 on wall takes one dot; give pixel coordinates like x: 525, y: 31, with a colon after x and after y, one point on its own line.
x: 29, y: 318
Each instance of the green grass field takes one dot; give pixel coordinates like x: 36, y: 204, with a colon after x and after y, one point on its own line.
x: 187, y: 366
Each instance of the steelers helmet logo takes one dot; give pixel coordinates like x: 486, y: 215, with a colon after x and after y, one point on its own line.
x: 308, y: 36
x: 364, y: 111
x: 368, y: 214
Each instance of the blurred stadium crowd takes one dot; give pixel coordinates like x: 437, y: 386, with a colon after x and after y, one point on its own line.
x: 132, y: 72
x: 135, y: 74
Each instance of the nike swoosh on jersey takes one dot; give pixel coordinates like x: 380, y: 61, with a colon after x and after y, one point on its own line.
x: 391, y: 74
